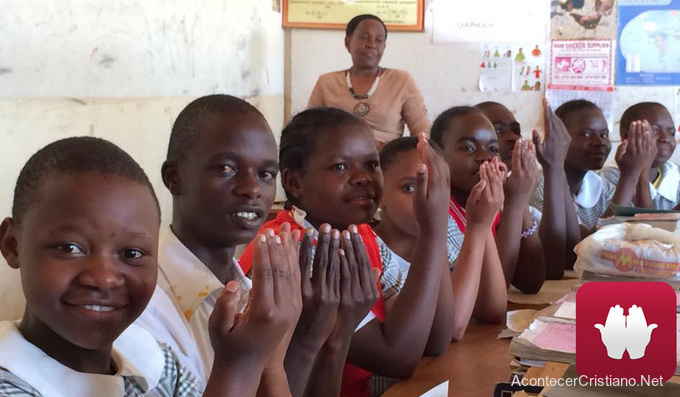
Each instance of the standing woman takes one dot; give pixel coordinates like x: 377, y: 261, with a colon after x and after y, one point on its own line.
x: 384, y: 98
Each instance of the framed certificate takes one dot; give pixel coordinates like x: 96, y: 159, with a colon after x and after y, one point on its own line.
x: 334, y: 14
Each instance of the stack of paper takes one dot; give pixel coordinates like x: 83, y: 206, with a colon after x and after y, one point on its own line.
x: 546, y: 339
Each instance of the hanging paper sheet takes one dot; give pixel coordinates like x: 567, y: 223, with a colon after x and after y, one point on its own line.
x: 649, y: 42
x: 490, y: 21
x: 582, y: 65
x: 511, y: 67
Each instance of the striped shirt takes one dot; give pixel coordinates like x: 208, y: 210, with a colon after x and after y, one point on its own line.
x: 664, y: 197
x: 145, y: 368
x: 591, y: 201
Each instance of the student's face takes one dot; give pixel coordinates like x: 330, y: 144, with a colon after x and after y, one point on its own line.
x: 590, y: 143
x: 397, y: 200
x: 367, y: 44
x: 341, y: 183
x: 224, y: 189
x: 507, y: 128
x: 662, y: 127
x: 87, y: 251
x: 470, y: 141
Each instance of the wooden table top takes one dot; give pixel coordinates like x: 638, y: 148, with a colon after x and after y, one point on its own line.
x: 472, y: 366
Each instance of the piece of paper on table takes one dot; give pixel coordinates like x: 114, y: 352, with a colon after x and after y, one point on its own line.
x: 567, y: 310
x: 554, y: 336
x: 441, y: 390
x: 519, y: 320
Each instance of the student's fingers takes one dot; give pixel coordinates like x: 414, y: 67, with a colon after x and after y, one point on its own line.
x: 280, y: 271
x: 348, y: 247
x: 516, y: 155
x: 263, y: 283
x: 321, y: 255
x: 476, y: 192
x: 223, y: 316
x: 621, y: 150
x: 306, y: 258
x: 345, y: 276
x: 421, y: 183
x: 363, y: 263
x: 333, y: 273
x: 484, y: 176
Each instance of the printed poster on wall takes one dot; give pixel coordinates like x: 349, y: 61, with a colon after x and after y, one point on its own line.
x: 649, y: 42
x: 490, y: 21
x: 511, y: 67
x: 603, y: 99
x: 582, y: 19
x: 582, y: 65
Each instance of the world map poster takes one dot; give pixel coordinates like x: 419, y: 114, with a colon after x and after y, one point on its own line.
x: 649, y: 42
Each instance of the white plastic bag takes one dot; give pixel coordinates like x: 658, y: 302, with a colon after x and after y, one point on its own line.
x: 631, y: 250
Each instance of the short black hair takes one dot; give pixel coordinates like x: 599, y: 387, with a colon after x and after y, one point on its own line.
x: 633, y: 113
x: 185, y: 129
x: 392, y: 149
x: 490, y: 103
x: 441, y: 124
x: 74, y: 155
x: 572, y: 106
x: 354, y: 22
x: 299, y: 137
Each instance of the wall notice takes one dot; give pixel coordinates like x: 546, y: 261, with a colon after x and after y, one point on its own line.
x: 582, y: 65
x: 334, y: 14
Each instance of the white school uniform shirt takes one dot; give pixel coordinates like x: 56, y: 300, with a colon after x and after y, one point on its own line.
x: 144, y: 367
x: 590, y: 202
x: 193, y: 290
x: 667, y: 195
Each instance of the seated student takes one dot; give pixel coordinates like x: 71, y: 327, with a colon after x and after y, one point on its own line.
x: 84, y: 235
x: 507, y: 129
x: 659, y: 187
x: 572, y: 196
x: 221, y: 170
x: 331, y: 174
x: 473, y: 293
x: 469, y: 139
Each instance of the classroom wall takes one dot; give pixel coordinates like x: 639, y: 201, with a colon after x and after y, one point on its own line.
x: 123, y: 70
x: 447, y: 75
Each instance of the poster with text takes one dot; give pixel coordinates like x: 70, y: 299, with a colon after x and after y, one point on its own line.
x: 603, y: 99
x: 649, y: 42
x: 582, y: 65
x: 490, y: 21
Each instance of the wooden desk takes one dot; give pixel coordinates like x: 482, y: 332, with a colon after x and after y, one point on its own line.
x: 472, y: 366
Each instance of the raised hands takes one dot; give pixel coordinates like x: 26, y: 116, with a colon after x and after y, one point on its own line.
x: 637, y: 152
x: 486, y: 197
x: 524, y: 178
x: 552, y: 151
x: 250, y: 342
x: 432, y: 189
x: 359, y: 283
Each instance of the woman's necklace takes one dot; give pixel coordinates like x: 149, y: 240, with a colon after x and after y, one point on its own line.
x: 362, y: 108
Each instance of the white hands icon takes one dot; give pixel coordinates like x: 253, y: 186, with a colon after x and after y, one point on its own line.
x: 638, y: 333
x: 613, y: 333
x: 626, y: 332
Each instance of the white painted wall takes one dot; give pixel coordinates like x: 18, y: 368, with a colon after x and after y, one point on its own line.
x: 151, y: 59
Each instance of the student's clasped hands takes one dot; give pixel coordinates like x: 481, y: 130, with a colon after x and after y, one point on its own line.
x: 487, y: 196
x: 432, y: 189
x: 552, y: 151
x: 257, y: 338
x: 637, y: 152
